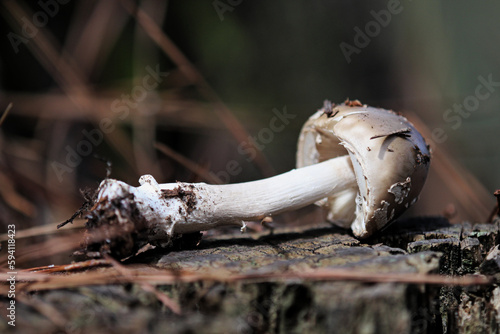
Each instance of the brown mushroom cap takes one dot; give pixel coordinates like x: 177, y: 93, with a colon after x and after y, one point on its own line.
x: 389, y: 157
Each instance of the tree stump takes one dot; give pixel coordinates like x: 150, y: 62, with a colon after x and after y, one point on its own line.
x: 273, y: 294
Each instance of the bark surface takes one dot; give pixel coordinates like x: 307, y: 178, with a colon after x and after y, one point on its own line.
x: 290, y: 305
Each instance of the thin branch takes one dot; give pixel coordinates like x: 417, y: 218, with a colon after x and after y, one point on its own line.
x: 46, y: 309
x: 153, y: 276
x: 39, y: 231
x: 465, y: 187
x: 196, y: 78
x: 192, y: 166
x: 45, y: 249
x: 496, y: 209
x: 65, y: 72
x: 66, y: 268
x: 124, y: 271
x: 5, y: 113
x: 91, y: 37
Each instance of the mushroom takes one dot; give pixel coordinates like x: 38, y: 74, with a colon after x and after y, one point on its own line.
x: 389, y: 157
x: 365, y: 165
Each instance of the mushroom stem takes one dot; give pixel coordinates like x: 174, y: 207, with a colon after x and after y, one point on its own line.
x: 191, y: 207
x: 288, y: 191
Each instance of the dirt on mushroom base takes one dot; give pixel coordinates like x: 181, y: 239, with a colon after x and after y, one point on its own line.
x: 186, y: 195
x: 117, y: 228
x: 114, y: 227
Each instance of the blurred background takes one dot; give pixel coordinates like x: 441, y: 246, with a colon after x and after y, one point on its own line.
x: 217, y: 91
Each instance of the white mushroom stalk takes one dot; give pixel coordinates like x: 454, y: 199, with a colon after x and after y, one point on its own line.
x: 364, y: 165
x: 176, y: 208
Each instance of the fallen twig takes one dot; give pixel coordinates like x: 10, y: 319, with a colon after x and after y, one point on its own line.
x: 154, y: 276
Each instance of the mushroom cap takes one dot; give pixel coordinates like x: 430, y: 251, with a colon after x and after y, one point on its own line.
x: 389, y: 157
